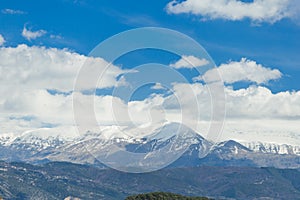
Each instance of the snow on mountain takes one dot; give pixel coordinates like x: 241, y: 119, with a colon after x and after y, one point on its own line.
x: 6, y: 138
x: 228, y: 150
x: 38, y: 139
x: 229, y: 147
x: 91, y: 145
x: 63, y: 145
x: 273, y: 148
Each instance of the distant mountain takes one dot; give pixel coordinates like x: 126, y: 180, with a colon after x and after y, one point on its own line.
x: 61, y: 180
x: 282, y: 149
x: 37, y: 148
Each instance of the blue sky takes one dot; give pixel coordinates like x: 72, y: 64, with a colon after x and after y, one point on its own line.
x: 81, y: 25
x: 264, y: 40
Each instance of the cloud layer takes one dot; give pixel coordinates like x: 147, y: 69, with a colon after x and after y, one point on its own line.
x: 258, y: 10
x: 243, y: 70
x: 25, y: 104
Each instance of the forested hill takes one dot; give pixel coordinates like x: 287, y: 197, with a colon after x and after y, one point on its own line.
x: 163, y: 196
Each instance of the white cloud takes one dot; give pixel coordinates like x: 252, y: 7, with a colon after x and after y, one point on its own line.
x: 189, y: 62
x: 27, y: 73
x: 12, y: 12
x: 2, y: 40
x: 244, y: 70
x: 29, y: 35
x: 258, y: 102
x: 49, y: 68
x: 158, y: 86
x: 255, y: 102
x: 258, y: 10
x: 252, y: 114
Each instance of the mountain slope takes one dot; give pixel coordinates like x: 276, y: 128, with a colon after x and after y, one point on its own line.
x: 60, y: 180
x: 163, y: 195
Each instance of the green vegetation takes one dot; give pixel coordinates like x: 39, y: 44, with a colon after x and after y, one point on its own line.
x: 163, y: 196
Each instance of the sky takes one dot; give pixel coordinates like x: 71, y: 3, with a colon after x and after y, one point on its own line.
x: 254, y: 45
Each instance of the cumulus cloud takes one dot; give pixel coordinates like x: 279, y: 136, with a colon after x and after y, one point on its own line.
x: 244, y: 70
x: 251, y: 113
x: 26, y: 75
x: 49, y: 68
x: 258, y: 10
x: 255, y: 102
x: 189, y: 62
x: 2, y: 40
x: 12, y: 12
x: 259, y: 102
x: 30, y: 35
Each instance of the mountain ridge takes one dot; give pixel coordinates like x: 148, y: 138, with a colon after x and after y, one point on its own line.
x: 48, y: 181
x: 33, y: 149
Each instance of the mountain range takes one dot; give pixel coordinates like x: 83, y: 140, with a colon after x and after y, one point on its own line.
x: 37, y: 148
